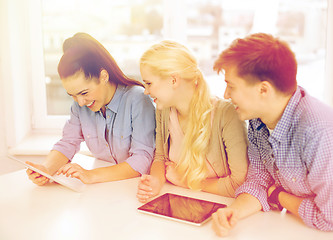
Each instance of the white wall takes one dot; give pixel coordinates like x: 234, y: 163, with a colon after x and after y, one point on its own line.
x: 3, y: 16
x: 15, y: 73
x: 329, y: 55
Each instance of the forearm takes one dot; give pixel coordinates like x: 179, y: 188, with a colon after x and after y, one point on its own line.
x: 211, y: 185
x: 113, y: 173
x: 158, y: 170
x: 306, y: 209
x: 290, y: 202
x: 246, y: 205
x: 310, y: 214
x: 286, y: 200
x: 225, y: 186
x: 54, y: 161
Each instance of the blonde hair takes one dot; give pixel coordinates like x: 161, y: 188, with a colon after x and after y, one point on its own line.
x: 168, y: 58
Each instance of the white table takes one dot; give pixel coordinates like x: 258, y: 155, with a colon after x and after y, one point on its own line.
x: 108, y: 211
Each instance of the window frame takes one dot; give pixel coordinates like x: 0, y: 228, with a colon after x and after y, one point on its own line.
x: 41, y: 120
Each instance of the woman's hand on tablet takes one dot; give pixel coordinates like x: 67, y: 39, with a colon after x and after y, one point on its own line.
x: 224, y: 219
x: 36, y: 177
x: 148, y: 187
x: 76, y: 171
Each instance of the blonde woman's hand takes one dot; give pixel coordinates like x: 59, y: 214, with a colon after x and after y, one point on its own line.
x: 148, y: 187
x: 76, y: 171
x: 172, y: 175
x: 36, y: 177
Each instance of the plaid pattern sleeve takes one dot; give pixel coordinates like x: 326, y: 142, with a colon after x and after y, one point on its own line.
x: 317, y: 210
x: 258, y: 178
x: 297, y: 155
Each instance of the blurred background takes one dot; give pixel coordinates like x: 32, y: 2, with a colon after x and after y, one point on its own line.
x: 35, y: 105
x: 128, y: 27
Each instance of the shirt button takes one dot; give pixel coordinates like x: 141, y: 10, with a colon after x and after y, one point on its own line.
x: 108, y: 116
x: 293, y: 179
x: 88, y: 136
x: 264, y: 161
x: 121, y: 137
x: 106, y: 145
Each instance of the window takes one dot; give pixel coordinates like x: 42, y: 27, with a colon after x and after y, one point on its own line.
x: 129, y: 27
x: 125, y: 28
x: 213, y: 25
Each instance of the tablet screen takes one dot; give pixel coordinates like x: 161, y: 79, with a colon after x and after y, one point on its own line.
x: 181, y: 208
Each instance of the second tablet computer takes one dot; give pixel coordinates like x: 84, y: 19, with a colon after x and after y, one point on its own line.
x: 181, y: 208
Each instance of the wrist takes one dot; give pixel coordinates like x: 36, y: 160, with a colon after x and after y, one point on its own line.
x: 273, y: 198
x: 93, y: 176
x: 50, y: 169
x: 158, y: 180
x: 161, y: 178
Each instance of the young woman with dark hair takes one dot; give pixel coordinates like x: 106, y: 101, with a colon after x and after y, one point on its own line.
x: 110, y: 113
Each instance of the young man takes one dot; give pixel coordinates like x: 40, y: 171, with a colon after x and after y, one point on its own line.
x: 290, y: 135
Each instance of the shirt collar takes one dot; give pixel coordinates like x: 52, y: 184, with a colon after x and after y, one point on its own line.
x: 115, y: 101
x: 286, y: 120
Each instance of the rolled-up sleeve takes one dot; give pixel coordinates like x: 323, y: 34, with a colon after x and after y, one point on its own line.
x: 143, y: 135
x: 72, y: 135
x: 258, y: 178
x: 317, y: 211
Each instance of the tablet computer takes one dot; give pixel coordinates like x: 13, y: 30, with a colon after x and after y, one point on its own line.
x: 71, y: 183
x: 180, y: 208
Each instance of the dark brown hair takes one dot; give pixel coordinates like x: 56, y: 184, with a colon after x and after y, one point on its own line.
x: 84, y: 53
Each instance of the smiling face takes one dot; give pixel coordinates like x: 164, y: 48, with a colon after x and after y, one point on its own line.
x: 92, y: 93
x: 245, y: 96
x: 159, y: 89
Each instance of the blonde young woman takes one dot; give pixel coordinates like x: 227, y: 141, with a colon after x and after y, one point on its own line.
x: 200, y: 141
